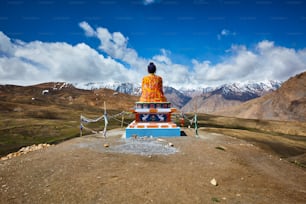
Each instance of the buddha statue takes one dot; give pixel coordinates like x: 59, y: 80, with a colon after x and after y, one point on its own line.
x: 152, y: 111
x: 152, y: 86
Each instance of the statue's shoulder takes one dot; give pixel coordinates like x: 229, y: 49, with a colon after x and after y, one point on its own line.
x: 159, y: 77
x: 151, y: 77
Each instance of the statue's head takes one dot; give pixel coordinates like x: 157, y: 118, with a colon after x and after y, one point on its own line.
x: 151, y: 68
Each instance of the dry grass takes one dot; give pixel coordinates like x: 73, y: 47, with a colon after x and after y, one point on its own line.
x: 290, y: 128
x: 283, y: 138
x: 55, y: 117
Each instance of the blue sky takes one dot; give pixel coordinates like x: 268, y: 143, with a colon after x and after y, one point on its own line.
x: 194, y: 43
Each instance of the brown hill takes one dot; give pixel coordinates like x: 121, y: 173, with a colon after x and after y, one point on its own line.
x: 50, y: 112
x: 286, y: 103
x: 209, y: 104
x: 62, y: 95
x: 177, y: 99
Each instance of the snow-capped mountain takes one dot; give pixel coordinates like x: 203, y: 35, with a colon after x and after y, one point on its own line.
x: 250, y: 89
x: 127, y: 88
x: 234, y: 91
x: 228, y: 95
x: 286, y: 103
x: 246, y: 91
x: 196, y: 92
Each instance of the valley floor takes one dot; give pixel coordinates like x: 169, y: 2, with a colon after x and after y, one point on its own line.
x: 83, y: 170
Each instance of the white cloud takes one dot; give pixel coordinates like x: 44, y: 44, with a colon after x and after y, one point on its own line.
x: 147, y: 2
x: 279, y: 62
x: 265, y: 45
x: 5, y: 45
x: 225, y: 33
x: 36, y: 61
x: 163, y: 57
x: 115, y: 45
x: 89, y: 31
x: 266, y: 62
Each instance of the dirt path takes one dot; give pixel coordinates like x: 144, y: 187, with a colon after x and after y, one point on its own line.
x: 82, y: 170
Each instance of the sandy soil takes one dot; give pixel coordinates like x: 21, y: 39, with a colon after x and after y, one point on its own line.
x: 82, y: 170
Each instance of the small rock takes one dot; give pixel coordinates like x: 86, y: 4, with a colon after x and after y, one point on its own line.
x: 214, y: 182
x: 171, y: 144
x: 106, y: 145
x: 221, y: 148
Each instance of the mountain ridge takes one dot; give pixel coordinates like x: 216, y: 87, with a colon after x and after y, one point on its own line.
x: 256, y: 100
x: 205, y: 100
x: 286, y: 103
x: 181, y: 97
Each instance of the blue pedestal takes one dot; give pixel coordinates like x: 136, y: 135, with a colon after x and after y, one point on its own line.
x: 153, y: 119
x: 154, y: 132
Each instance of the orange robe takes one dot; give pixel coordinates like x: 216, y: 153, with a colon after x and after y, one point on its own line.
x: 152, y: 89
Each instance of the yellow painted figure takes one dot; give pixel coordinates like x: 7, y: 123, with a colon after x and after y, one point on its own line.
x: 152, y: 87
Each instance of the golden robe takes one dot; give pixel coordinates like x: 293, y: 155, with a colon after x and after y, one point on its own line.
x: 152, y: 89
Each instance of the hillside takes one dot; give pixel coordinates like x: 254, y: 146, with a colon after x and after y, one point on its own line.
x: 286, y: 103
x: 63, y: 95
x: 177, y: 99
x: 208, y: 104
x: 50, y: 112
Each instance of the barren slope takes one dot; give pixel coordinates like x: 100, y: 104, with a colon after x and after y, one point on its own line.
x: 81, y: 170
x: 28, y: 117
x: 286, y: 103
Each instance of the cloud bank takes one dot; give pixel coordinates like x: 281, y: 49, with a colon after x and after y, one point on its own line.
x: 33, y: 62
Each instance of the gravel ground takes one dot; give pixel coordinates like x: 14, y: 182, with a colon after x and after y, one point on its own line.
x: 213, y: 168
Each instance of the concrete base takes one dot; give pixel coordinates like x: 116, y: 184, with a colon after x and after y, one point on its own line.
x: 152, y: 129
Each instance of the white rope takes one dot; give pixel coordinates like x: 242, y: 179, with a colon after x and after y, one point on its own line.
x: 120, y: 120
x: 106, y: 120
x: 87, y: 120
x: 91, y: 130
x: 119, y: 114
